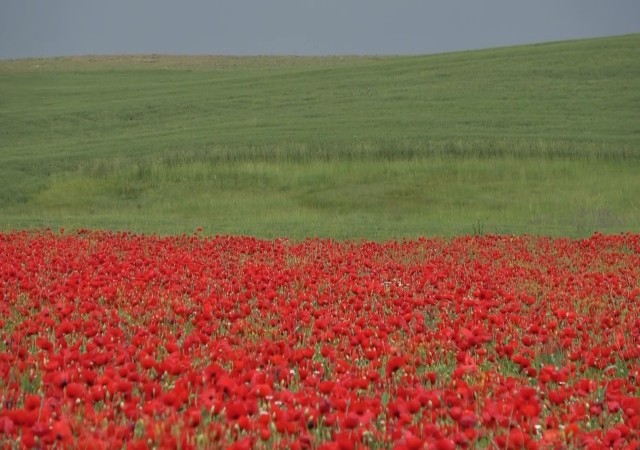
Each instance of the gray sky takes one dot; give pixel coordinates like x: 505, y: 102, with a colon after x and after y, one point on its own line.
x: 32, y: 28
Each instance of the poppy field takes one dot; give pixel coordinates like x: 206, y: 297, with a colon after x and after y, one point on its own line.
x: 118, y: 340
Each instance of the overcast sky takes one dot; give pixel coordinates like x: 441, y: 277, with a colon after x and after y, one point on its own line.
x: 32, y: 28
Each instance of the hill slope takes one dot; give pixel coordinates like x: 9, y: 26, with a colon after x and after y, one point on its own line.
x: 542, y: 139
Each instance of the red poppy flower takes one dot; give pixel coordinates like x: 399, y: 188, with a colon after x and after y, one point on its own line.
x: 193, y: 418
x: 265, y: 433
x: 61, y: 432
x: 444, y: 444
x: 395, y: 363
x: 6, y: 425
x: 22, y: 417
x: 75, y: 391
x: 32, y: 401
x: 207, y: 398
x: 325, y: 387
x: 243, y: 444
x: 468, y: 419
x: 61, y: 379
x: 90, y: 443
x: 630, y: 406
x: 235, y: 410
x: 262, y: 391
x: 41, y: 429
x: 97, y: 393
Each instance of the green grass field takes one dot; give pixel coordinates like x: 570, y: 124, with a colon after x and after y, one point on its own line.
x: 540, y: 139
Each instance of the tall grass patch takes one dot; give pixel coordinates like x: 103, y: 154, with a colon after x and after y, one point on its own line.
x: 362, y: 197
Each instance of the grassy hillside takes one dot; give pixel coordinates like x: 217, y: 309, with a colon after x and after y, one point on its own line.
x: 531, y: 139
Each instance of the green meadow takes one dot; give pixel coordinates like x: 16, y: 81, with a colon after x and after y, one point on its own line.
x: 538, y: 139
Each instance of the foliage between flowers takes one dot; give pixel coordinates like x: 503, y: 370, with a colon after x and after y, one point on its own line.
x: 117, y: 340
